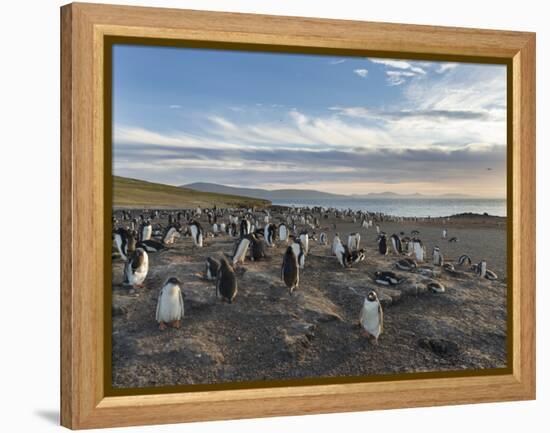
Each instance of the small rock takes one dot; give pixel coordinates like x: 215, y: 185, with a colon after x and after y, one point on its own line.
x: 117, y: 311
x: 439, y: 346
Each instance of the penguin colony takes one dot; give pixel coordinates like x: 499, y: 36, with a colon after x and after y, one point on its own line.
x: 255, y: 233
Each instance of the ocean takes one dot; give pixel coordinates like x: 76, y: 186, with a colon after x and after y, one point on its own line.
x: 411, y: 207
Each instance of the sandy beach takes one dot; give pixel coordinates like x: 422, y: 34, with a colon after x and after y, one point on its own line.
x: 268, y: 335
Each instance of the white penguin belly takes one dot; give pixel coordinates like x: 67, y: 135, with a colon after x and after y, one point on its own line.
x: 170, y: 308
x: 370, y: 319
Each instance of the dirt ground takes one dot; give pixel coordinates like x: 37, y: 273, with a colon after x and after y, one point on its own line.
x: 268, y: 335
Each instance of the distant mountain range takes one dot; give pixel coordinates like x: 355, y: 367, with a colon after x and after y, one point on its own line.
x: 302, y: 194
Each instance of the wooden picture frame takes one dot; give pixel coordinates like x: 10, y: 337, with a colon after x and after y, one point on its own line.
x: 84, y: 30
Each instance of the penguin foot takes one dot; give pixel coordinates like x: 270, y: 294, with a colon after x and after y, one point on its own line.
x: 162, y: 326
x: 176, y: 324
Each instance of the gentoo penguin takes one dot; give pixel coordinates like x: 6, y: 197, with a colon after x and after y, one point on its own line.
x: 304, y: 239
x: 212, y: 267
x: 245, y: 227
x: 335, y: 242
x: 453, y: 239
x: 241, y: 247
x: 298, y: 250
x: 290, y: 273
x: 136, y: 268
x: 490, y: 275
x: 418, y: 249
x: 146, y: 231
x: 415, y: 233
x: 121, y: 237
x: 387, y: 278
x: 481, y: 269
x: 197, y: 233
x: 323, y: 238
x: 151, y: 245
x: 257, y: 247
x: 226, y: 284
x: 382, y: 244
x: 372, y: 317
x: 444, y: 234
x: 283, y: 232
x: 269, y: 234
x: 436, y: 287
x: 170, y: 304
x: 170, y: 235
x: 396, y: 244
x: 357, y: 256
x: 437, y: 257
x: 406, y: 264
x: 427, y: 271
x: 343, y: 255
x: 377, y: 229
x: 353, y: 241
x: 463, y: 259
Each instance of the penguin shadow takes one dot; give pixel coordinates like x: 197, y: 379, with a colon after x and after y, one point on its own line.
x: 49, y: 415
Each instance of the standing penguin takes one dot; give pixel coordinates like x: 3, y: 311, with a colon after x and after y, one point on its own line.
x: 257, y: 247
x: 304, y: 239
x: 382, y: 244
x: 136, y: 268
x: 343, y: 255
x: 226, y: 284
x: 396, y: 244
x: 418, y: 249
x: 444, y: 234
x: 269, y: 234
x: 335, y: 243
x: 481, y: 269
x: 197, y: 233
x: 241, y: 247
x: 372, y: 317
x: 146, y: 231
x: 290, y: 273
x: 283, y: 232
x: 353, y: 241
x: 212, y: 267
x: 323, y: 238
x: 298, y: 249
x: 245, y: 227
x: 170, y: 304
x: 437, y: 257
x: 121, y: 238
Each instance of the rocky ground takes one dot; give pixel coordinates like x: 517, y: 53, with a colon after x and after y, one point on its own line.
x: 268, y: 335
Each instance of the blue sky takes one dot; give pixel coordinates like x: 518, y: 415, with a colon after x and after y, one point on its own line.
x: 338, y: 124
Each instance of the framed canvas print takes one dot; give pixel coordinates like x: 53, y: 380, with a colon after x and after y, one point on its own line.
x: 269, y: 216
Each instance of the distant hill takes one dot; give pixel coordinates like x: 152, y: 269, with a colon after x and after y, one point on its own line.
x: 134, y: 193
x: 277, y: 194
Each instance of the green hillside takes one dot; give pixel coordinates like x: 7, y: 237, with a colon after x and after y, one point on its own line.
x: 134, y: 193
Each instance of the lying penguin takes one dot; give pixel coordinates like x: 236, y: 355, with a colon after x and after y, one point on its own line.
x: 170, y: 304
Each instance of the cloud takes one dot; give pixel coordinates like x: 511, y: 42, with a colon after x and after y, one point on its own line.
x: 395, y: 78
x: 444, y: 67
x: 361, y: 72
x: 399, y: 64
x: 175, y: 106
x: 337, y: 62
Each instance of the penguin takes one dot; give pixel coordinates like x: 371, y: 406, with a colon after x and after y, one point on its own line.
x: 463, y: 259
x: 270, y: 231
x: 298, y: 250
x: 290, y: 272
x: 353, y: 241
x: 371, y: 317
x: 212, y: 267
x: 121, y: 237
x: 444, y: 234
x: 490, y: 275
x: 377, y: 229
x: 382, y: 244
x: 136, y: 268
x: 415, y: 233
x: 245, y: 227
x: 387, y: 278
x: 436, y: 287
x: 170, y: 304
x: 427, y: 271
x: 406, y: 264
x: 283, y: 232
x: 343, y: 255
x: 481, y: 269
x: 335, y: 242
x: 197, y: 233
x: 418, y: 249
x: 226, y: 284
x: 396, y: 244
x: 170, y: 235
x: 151, y: 245
x: 257, y: 247
x: 357, y: 256
x: 450, y: 268
x: 241, y: 247
x: 146, y: 231
x: 304, y: 239
x: 323, y: 238
x: 437, y: 257
x: 453, y: 239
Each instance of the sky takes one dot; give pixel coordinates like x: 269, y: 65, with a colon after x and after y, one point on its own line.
x: 347, y: 125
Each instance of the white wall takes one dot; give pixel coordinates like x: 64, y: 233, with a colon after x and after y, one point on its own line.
x: 29, y: 136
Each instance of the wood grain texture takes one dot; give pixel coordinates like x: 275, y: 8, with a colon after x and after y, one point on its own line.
x: 84, y: 26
